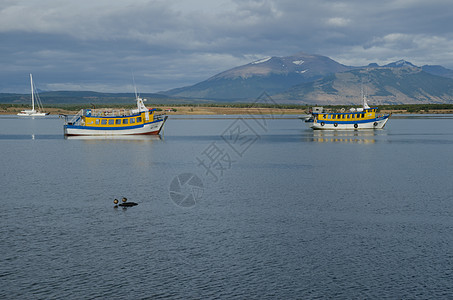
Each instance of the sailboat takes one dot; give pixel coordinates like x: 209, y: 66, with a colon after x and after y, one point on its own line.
x: 34, y: 97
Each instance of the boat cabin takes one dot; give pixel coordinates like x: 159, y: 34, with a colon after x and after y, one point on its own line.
x: 110, y: 118
x: 356, y: 115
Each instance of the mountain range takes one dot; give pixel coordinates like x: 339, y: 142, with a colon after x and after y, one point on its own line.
x: 297, y: 79
x: 315, y: 79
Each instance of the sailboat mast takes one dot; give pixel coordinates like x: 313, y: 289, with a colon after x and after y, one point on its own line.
x: 32, y: 94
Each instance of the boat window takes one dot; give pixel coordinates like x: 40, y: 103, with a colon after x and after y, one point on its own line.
x: 97, y: 121
x: 125, y: 121
x: 139, y: 119
x: 132, y: 120
x: 363, y: 115
x: 111, y: 122
x: 103, y: 121
x: 118, y: 121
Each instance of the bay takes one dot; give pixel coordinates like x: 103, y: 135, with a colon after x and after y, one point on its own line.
x: 228, y: 207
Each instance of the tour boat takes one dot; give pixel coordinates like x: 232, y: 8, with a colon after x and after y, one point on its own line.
x: 34, y: 97
x: 355, y: 119
x: 107, y: 121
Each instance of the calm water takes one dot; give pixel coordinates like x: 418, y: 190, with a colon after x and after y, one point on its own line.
x: 228, y: 208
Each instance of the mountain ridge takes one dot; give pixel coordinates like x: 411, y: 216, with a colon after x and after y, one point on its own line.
x: 300, y: 78
x: 270, y: 74
x: 383, y: 85
x: 310, y: 78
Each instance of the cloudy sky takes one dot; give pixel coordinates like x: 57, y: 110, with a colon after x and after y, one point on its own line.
x: 100, y: 45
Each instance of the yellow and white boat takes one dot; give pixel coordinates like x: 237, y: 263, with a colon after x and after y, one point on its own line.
x: 107, y: 121
x: 355, y: 119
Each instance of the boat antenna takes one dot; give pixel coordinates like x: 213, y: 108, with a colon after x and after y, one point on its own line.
x: 365, y: 104
x: 135, y: 86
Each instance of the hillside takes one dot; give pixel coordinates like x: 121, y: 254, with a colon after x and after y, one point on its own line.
x: 438, y: 70
x: 271, y: 74
x: 298, y: 79
x: 308, y: 79
x: 383, y: 85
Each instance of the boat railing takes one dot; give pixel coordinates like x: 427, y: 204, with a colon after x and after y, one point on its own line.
x: 159, y: 117
x: 76, y: 119
x: 108, y: 112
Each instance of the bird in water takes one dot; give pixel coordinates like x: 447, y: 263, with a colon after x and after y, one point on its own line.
x: 125, y: 203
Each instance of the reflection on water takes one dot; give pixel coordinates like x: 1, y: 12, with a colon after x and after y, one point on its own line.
x: 29, y: 136
x: 422, y: 116
x: 135, y: 138
x: 338, y: 136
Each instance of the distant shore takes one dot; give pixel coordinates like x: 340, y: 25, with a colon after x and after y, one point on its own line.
x: 217, y: 110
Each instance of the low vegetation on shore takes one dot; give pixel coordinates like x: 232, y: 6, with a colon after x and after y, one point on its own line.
x: 237, y: 108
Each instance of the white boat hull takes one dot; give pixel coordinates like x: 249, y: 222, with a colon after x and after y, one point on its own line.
x: 377, y: 123
x: 148, y: 128
x: 32, y: 114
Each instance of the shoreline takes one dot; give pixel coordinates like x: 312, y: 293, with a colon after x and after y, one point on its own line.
x: 213, y: 110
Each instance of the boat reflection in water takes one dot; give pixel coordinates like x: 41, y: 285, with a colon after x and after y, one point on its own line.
x: 338, y: 136
x: 127, y: 138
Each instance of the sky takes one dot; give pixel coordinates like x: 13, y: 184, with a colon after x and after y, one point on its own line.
x: 107, y: 45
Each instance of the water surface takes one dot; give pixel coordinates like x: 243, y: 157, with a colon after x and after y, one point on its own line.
x: 278, y: 211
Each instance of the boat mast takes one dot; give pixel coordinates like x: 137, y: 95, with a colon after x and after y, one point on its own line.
x: 32, y: 94
x: 140, y: 105
x: 365, y: 104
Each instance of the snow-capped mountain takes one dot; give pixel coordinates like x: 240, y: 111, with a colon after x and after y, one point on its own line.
x: 270, y: 74
x: 307, y: 78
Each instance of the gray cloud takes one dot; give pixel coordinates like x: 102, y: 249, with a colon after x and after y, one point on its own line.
x: 97, y: 45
